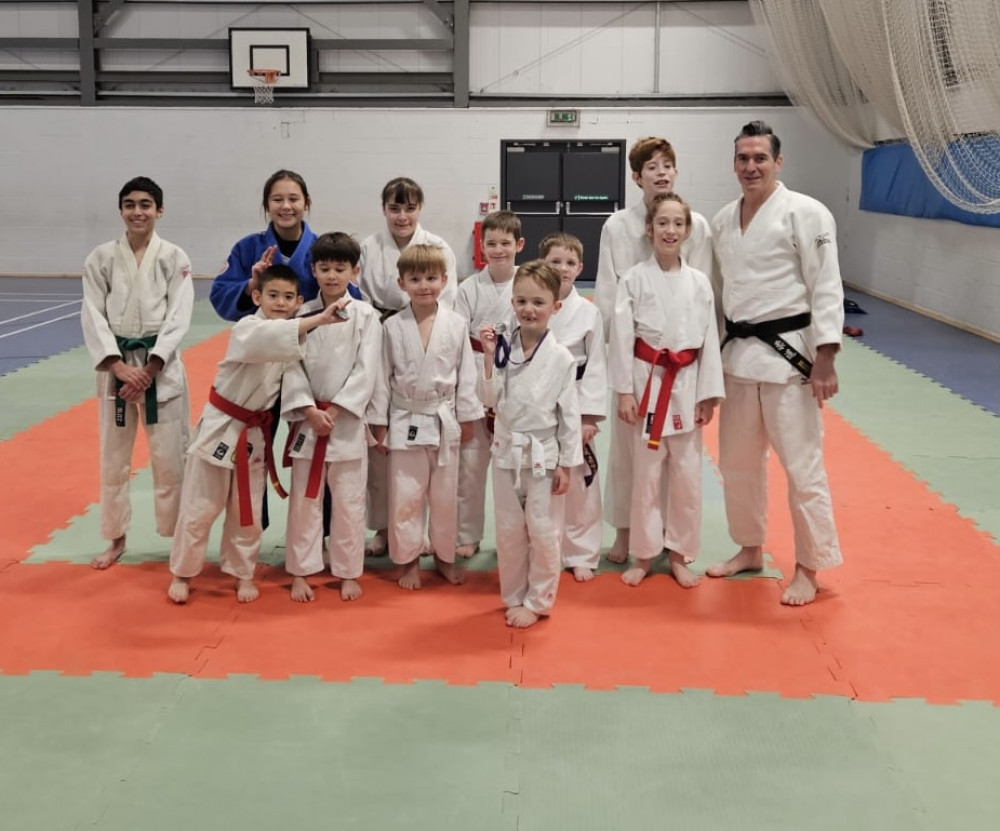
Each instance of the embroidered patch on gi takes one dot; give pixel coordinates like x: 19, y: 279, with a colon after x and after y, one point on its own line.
x: 649, y: 423
x: 411, y: 434
x: 221, y: 451
x: 678, y: 424
x: 823, y: 239
x: 299, y: 441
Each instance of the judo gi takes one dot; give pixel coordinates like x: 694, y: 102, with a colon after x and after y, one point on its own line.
x: 379, y: 272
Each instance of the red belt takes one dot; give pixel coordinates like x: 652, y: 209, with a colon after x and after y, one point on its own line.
x: 671, y: 362
x: 249, y: 418
x: 477, y: 345
x: 318, y: 457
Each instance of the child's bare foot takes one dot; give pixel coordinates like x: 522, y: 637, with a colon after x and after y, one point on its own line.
x: 582, y: 575
x: 639, y: 571
x: 450, y: 572
x: 748, y: 558
x: 350, y: 589
x: 379, y: 546
x: 302, y: 592
x: 467, y: 550
x: 802, y: 589
x: 410, y: 579
x: 110, y: 555
x: 179, y: 589
x: 519, y: 617
x: 246, y: 591
x: 619, y: 548
x: 679, y: 569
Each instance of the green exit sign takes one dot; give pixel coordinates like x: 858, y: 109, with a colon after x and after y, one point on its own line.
x: 564, y: 118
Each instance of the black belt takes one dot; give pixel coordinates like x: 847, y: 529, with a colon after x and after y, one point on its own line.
x: 580, y: 369
x: 771, y: 331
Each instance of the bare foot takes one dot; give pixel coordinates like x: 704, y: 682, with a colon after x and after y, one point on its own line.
x: 467, y: 550
x: 521, y: 618
x: 246, y: 591
x: 619, y: 549
x: 302, y: 592
x: 110, y: 555
x: 379, y: 546
x: 450, y: 572
x: 179, y: 589
x: 410, y: 578
x: 582, y: 575
x: 350, y: 590
x: 635, y: 575
x: 748, y: 558
x: 679, y: 569
x: 802, y: 589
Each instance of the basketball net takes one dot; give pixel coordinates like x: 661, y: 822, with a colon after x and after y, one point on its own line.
x: 264, y: 82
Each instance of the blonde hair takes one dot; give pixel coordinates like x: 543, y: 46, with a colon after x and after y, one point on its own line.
x: 422, y: 258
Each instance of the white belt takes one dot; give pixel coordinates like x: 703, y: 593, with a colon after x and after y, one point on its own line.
x: 519, y: 441
x: 444, y: 409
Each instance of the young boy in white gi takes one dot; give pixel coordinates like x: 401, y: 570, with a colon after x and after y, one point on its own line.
x: 784, y: 307
x: 624, y: 243
x: 231, y: 445
x: 325, y: 398
x: 402, y: 203
x: 423, y: 407
x: 530, y: 381
x: 137, y: 301
x: 578, y: 327
x: 664, y: 364
x: 484, y: 300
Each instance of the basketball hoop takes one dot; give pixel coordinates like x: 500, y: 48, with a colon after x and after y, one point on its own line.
x: 264, y: 82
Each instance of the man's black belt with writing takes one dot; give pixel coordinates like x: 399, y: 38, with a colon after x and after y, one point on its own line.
x: 771, y: 331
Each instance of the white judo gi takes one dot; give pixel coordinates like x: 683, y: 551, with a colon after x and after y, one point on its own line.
x: 624, y: 243
x: 423, y: 396
x: 675, y: 311
x: 481, y: 302
x: 784, y: 263
x: 249, y: 376
x: 537, y: 430
x: 339, y: 371
x: 379, y: 285
x: 380, y: 273
x: 578, y: 327
x: 125, y: 300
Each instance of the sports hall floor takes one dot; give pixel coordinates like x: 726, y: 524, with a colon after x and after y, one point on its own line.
x: 649, y: 708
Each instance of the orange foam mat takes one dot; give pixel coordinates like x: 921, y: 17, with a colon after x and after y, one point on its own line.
x: 57, y: 465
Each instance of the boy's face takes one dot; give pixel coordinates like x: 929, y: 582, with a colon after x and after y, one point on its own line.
x: 140, y: 212
x: 401, y: 220
x: 668, y: 230
x: 423, y: 287
x: 533, y: 305
x: 657, y: 176
x: 278, y: 299
x: 333, y: 278
x: 567, y: 264
x: 501, y: 248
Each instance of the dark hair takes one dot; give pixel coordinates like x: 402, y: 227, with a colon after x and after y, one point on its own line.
x: 560, y: 239
x: 506, y: 222
x: 278, y: 176
x: 335, y: 247
x: 402, y: 191
x: 278, y: 271
x: 540, y: 273
x: 759, y: 128
x: 644, y: 150
x: 659, y: 199
x: 144, y: 184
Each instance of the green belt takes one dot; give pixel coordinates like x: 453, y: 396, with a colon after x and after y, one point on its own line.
x: 131, y: 345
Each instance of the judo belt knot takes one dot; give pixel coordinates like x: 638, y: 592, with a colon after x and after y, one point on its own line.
x: 149, y: 400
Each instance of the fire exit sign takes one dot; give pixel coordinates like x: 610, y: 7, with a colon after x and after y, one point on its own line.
x: 564, y: 118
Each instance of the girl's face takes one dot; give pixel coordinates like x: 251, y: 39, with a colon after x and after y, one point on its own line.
x: 401, y: 220
x: 286, y: 208
x: 667, y: 231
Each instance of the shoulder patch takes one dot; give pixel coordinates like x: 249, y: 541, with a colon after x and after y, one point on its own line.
x: 823, y: 239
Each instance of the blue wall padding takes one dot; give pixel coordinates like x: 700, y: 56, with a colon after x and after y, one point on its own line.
x: 892, y: 182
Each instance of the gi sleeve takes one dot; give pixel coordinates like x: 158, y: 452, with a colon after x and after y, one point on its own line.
x: 606, y: 280
x: 180, y: 303
x: 378, y: 408
x: 467, y: 404
x: 569, y: 428
x: 97, y: 335
x: 621, y: 344
x: 816, y: 239
x: 359, y: 387
x: 228, y: 293
x: 296, y: 393
x: 593, y: 386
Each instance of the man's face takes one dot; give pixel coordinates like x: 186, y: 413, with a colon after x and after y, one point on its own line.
x: 756, y: 167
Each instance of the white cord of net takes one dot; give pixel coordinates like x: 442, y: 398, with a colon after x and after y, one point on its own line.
x: 928, y: 70
x: 263, y: 88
